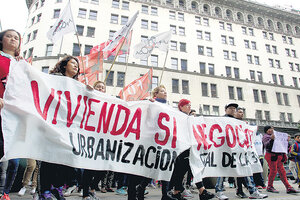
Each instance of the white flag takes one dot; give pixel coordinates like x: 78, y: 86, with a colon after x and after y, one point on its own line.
x: 145, y: 48
x: 123, y: 32
x: 64, y: 25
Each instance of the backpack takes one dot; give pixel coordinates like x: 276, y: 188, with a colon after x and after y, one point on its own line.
x: 291, y: 156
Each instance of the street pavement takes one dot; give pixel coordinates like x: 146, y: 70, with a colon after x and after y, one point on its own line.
x: 155, y: 194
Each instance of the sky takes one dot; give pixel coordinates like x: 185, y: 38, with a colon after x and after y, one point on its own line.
x: 13, y: 13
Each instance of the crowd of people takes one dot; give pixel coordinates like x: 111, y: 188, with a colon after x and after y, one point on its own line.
x: 55, y: 181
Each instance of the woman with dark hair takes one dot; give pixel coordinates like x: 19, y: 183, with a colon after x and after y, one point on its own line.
x: 10, y: 42
x: 54, y: 176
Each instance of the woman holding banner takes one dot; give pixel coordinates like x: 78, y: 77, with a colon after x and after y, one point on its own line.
x: 53, y: 176
x: 275, y: 162
x: 10, y: 42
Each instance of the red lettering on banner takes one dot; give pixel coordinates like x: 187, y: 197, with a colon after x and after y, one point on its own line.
x: 211, y: 135
x: 57, y: 107
x: 69, y: 106
x: 201, y: 138
x: 36, y: 99
x: 114, y: 131
x: 85, y: 108
x: 173, y: 144
x: 163, y: 127
x: 91, y: 112
x: 227, y: 128
x: 237, y: 129
x: 103, y: 119
x: 250, y: 133
x: 136, y: 117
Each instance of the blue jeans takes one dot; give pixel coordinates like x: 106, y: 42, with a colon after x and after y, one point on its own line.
x: 8, y: 174
x: 250, y: 182
x: 220, y: 184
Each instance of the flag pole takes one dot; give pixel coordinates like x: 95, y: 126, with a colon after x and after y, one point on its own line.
x: 62, y: 39
x: 114, y: 60
x: 163, y: 67
x: 79, y: 46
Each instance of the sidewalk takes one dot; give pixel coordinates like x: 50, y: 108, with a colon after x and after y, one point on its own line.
x: 155, y: 194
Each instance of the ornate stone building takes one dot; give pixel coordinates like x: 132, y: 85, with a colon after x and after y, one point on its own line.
x: 221, y: 51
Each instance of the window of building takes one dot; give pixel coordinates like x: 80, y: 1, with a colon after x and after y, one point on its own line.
x: 79, y: 29
x: 222, y: 25
x: 114, y: 19
x: 231, y: 41
x: 115, y: 3
x: 154, y: 26
x: 265, y: 35
x: 271, y: 62
x: 144, y: 24
x: 239, y: 91
x: 216, y: 111
x: 183, y: 65
x: 38, y: 17
x: 93, y: 15
x: 175, y: 85
x: 110, y: 78
x: 263, y: 96
x: 282, y: 116
x: 258, y: 114
x: 247, y: 45
x: 94, y: 1
x: 291, y: 66
x: 207, y: 36
x: 211, y: 69
x: 172, y: 14
x: 259, y: 76
x: 295, y: 81
x: 121, y: 58
x: 204, y: 89
x: 174, y: 45
x: 287, y: 52
x: 286, y: 99
x: 154, y: 82
x: 244, y: 30
x: 111, y: 34
x: 180, y: 16
x: 173, y: 29
x: 185, y: 87
x: 209, y: 51
x: 145, y: 9
x: 229, y: 27
x: 45, y: 69
x: 293, y: 52
x: 256, y: 60
x: 202, y: 68
x: 154, y: 60
x: 231, y: 92
x: 236, y: 72
x: 290, y: 117
x: 206, y: 110
x: 181, y: 30
x: 82, y: 13
x: 271, y: 35
x: 278, y: 97
x: 34, y: 34
x: 205, y: 22
x: 253, y: 44
x: 200, y: 50
x: 199, y: 34
x: 251, y: 32
x: 255, y: 95
x: 268, y: 48
x: 213, y: 90
x: 87, y: 49
x: 154, y: 11
x: 224, y: 39
x: 124, y: 20
x: 277, y: 63
x: 30, y: 52
x: 228, y: 71
x: 144, y: 61
x: 76, y: 50
x: 125, y: 5
x: 182, y: 46
x: 274, y: 49
x: 56, y: 13
x: 252, y: 75
x: 32, y: 20
x: 174, y: 63
x: 49, y: 49
x: 249, y: 59
x: 197, y: 20
x: 234, y: 56
x: 120, y: 79
x: 290, y: 40
x: 281, y: 79
x: 267, y: 115
x: 90, y: 32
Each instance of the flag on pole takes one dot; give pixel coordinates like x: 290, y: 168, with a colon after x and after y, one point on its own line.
x: 145, y: 48
x: 124, y: 50
x: 93, y: 64
x: 65, y: 24
x: 123, y: 32
x: 139, y: 89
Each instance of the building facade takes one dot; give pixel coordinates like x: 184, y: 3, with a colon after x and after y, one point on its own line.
x: 221, y: 51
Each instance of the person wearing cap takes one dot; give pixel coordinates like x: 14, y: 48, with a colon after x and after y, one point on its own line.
x: 275, y: 162
x: 230, y: 110
x: 182, y: 166
x: 295, y: 151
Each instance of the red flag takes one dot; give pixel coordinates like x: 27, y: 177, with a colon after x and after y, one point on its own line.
x: 138, y: 89
x: 124, y: 50
x: 93, y: 64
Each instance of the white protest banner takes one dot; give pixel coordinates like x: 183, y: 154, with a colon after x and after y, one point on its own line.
x: 259, y: 144
x: 280, y: 144
x: 56, y: 119
x: 222, y: 146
